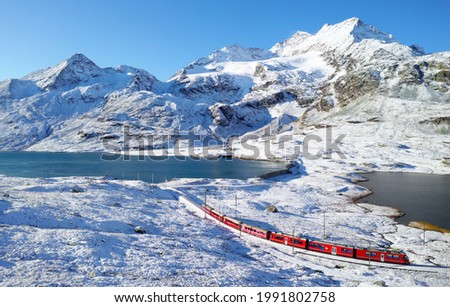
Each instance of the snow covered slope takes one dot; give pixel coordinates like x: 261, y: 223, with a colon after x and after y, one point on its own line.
x: 42, y: 103
x: 390, y: 101
x: 348, y: 73
x: 53, y: 236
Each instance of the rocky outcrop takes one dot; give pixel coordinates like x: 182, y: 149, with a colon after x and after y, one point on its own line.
x: 356, y: 84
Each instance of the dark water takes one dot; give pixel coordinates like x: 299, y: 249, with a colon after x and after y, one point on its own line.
x: 155, y: 169
x: 422, y: 197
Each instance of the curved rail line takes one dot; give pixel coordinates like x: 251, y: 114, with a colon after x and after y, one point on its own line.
x: 197, y: 209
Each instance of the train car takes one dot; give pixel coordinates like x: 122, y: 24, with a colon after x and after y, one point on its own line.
x: 343, y: 251
x: 298, y: 242
x: 320, y: 247
x: 278, y: 238
x: 382, y: 256
x: 394, y: 257
x: 331, y: 248
x: 255, y: 231
x: 232, y: 222
x: 213, y: 213
x: 288, y: 240
x: 366, y: 254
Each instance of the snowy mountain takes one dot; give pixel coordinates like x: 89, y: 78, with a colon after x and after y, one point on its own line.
x: 42, y: 103
x: 389, y: 101
x: 350, y: 72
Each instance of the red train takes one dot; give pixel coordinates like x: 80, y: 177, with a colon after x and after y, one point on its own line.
x: 316, y: 246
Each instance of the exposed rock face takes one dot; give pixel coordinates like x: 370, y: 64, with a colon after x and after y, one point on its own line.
x: 74, y: 70
x: 223, y: 114
x: 76, y: 105
x: 356, y: 84
x: 443, y: 120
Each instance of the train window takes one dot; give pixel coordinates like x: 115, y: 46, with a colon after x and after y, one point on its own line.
x: 371, y: 254
x: 319, y: 246
x: 346, y: 250
x: 297, y: 242
x: 393, y: 256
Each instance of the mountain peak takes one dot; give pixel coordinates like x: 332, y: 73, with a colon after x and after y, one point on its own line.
x: 232, y: 48
x: 356, y: 29
x: 73, y: 70
x: 231, y: 53
x: 339, y: 36
x: 238, y: 53
x: 295, y: 40
x: 79, y: 58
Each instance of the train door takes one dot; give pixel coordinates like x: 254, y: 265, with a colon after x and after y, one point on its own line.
x: 286, y: 240
x: 333, y: 250
x: 382, y: 257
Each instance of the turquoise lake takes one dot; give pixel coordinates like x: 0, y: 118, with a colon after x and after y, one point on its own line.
x: 149, y: 169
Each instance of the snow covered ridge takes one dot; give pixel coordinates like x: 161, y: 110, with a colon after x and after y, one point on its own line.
x: 344, y: 73
x: 391, y: 101
x: 261, y: 145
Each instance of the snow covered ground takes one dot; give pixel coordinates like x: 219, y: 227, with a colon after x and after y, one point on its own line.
x: 390, y: 102
x: 82, y: 232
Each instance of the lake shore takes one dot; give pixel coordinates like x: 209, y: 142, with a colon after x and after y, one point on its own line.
x: 316, y: 193
x: 82, y: 232
x: 421, y: 197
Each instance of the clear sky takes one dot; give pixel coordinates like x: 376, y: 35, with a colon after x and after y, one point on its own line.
x: 166, y: 35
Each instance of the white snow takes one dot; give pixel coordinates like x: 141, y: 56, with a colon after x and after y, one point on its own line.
x: 51, y: 236
x: 55, y: 237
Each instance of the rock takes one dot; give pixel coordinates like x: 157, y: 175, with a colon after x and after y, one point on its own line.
x: 442, y: 120
x: 442, y: 76
x: 77, y: 189
x: 86, y: 135
x: 446, y: 161
x: 222, y: 114
x: 356, y: 84
x: 271, y: 208
x: 260, y: 71
x: 139, y: 229
x: 380, y: 283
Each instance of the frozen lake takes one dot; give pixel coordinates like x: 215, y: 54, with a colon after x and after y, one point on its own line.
x: 422, y: 197
x: 154, y: 169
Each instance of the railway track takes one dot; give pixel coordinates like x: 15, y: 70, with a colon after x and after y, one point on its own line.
x: 195, y: 208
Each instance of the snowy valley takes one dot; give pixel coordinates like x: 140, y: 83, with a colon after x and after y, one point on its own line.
x: 386, y: 104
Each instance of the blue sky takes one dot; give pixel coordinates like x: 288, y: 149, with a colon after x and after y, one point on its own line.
x: 164, y: 36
